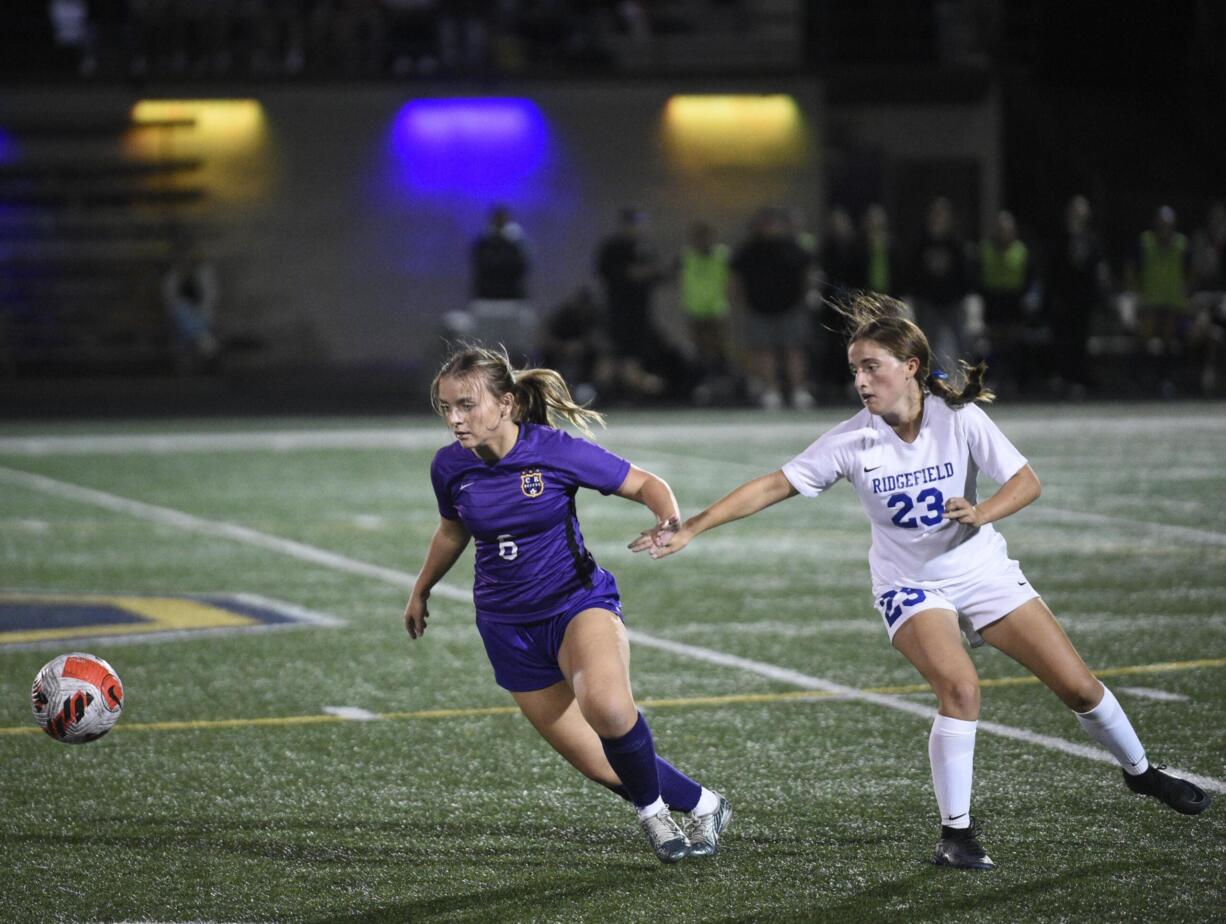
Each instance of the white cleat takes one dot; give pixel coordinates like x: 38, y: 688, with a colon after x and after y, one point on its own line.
x: 703, y: 831
x: 667, y: 839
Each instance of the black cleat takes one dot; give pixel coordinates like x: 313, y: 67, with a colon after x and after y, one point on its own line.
x: 1184, y: 797
x: 959, y: 848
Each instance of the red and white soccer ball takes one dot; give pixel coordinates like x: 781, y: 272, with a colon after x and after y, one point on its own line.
x: 77, y: 698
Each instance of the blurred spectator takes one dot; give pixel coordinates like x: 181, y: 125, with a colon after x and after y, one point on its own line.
x: 769, y: 275
x: 939, y: 283
x: 1077, y: 278
x: 412, y: 35
x: 499, y: 311
x: 73, y: 35
x: 630, y: 269
x: 463, y: 36
x: 1209, y: 291
x: 879, y: 252
x: 1007, y: 282
x: 841, y: 259
x: 632, y: 19
x: 1159, y: 275
x: 1209, y: 252
x: 575, y: 343
x: 190, y: 294
x: 500, y: 259
x: 703, y: 267
x: 841, y: 256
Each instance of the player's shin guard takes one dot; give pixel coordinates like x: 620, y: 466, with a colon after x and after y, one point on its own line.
x: 1107, y: 724
x: 633, y: 758
x: 679, y: 792
x: 951, y: 750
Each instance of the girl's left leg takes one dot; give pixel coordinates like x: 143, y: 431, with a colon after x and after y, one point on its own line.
x: 1032, y: 637
x: 595, y: 660
x: 554, y: 713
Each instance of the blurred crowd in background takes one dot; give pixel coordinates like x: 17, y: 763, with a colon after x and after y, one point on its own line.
x: 358, y: 38
x: 1085, y: 303
x: 731, y: 316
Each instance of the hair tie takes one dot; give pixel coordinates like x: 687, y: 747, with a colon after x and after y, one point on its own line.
x: 939, y: 374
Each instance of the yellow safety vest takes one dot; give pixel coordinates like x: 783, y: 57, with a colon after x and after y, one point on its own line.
x: 1162, y: 276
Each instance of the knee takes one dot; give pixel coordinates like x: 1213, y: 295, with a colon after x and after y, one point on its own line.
x: 960, y: 698
x: 1083, y: 697
x: 609, y: 716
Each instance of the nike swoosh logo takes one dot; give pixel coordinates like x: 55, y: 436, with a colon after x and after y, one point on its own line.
x: 874, y: 468
x: 1021, y: 583
x: 956, y: 817
x: 465, y: 485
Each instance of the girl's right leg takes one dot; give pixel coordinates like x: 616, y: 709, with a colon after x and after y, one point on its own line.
x: 932, y: 641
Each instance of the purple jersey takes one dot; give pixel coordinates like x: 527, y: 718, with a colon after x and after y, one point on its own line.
x: 521, y: 512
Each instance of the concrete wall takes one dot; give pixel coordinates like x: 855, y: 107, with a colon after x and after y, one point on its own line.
x: 326, y: 246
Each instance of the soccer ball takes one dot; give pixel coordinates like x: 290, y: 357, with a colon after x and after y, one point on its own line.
x: 77, y: 698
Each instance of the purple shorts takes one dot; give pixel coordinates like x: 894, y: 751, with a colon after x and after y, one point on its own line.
x: 525, y: 655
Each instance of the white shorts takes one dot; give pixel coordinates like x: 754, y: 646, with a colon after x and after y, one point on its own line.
x: 979, y: 599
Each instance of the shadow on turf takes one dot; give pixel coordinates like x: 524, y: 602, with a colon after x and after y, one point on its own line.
x: 545, y: 869
x: 984, y: 889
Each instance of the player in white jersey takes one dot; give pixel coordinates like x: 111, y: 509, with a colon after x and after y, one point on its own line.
x: 913, y: 456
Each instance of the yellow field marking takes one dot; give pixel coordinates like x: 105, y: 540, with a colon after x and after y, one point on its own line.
x: 476, y: 712
x: 158, y: 614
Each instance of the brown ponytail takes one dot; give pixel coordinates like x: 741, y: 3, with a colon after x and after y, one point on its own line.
x: 884, y: 321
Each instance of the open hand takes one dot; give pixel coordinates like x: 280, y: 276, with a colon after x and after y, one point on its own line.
x: 658, y: 536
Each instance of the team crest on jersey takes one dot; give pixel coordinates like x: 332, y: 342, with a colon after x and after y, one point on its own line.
x: 532, y: 483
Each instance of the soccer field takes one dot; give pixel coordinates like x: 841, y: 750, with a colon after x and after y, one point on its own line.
x: 287, y: 754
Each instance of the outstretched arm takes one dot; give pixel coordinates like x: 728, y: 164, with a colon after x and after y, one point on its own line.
x: 653, y: 493
x: 746, y: 500
x: 1022, y: 489
x: 449, y: 541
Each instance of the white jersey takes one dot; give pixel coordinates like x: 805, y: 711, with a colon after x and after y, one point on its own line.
x: 903, y: 488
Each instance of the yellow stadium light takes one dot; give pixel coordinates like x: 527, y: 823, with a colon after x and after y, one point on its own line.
x: 734, y: 131
x: 228, y: 124
x: 228, y: 136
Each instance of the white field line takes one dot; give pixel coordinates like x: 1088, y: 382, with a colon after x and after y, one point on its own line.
x: 807, y: 681
x: 274, y: 441
x: 1150, y: 693
x: 751, y: 427
x: 1145, y: 528
x: 1139, y: 530
x: 220, y: 529
x: 352, y: 713
x: 427, y: 437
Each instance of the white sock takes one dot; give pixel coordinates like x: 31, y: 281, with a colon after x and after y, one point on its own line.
x: 708, y: 802
x: 951, y: 751
x: 652, y: 809
x: 1107, y: 724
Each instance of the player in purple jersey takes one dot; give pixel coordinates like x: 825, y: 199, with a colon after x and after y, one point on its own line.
x: 549, y: 616
x: 937, y: 564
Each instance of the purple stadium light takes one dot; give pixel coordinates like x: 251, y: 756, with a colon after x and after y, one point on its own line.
x: 479, y: 148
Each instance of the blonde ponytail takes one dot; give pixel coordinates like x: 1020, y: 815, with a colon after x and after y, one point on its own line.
x: 541, y: 395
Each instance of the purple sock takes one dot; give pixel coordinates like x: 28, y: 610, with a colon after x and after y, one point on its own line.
x: 676, y: 789
x: 633, y: 759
